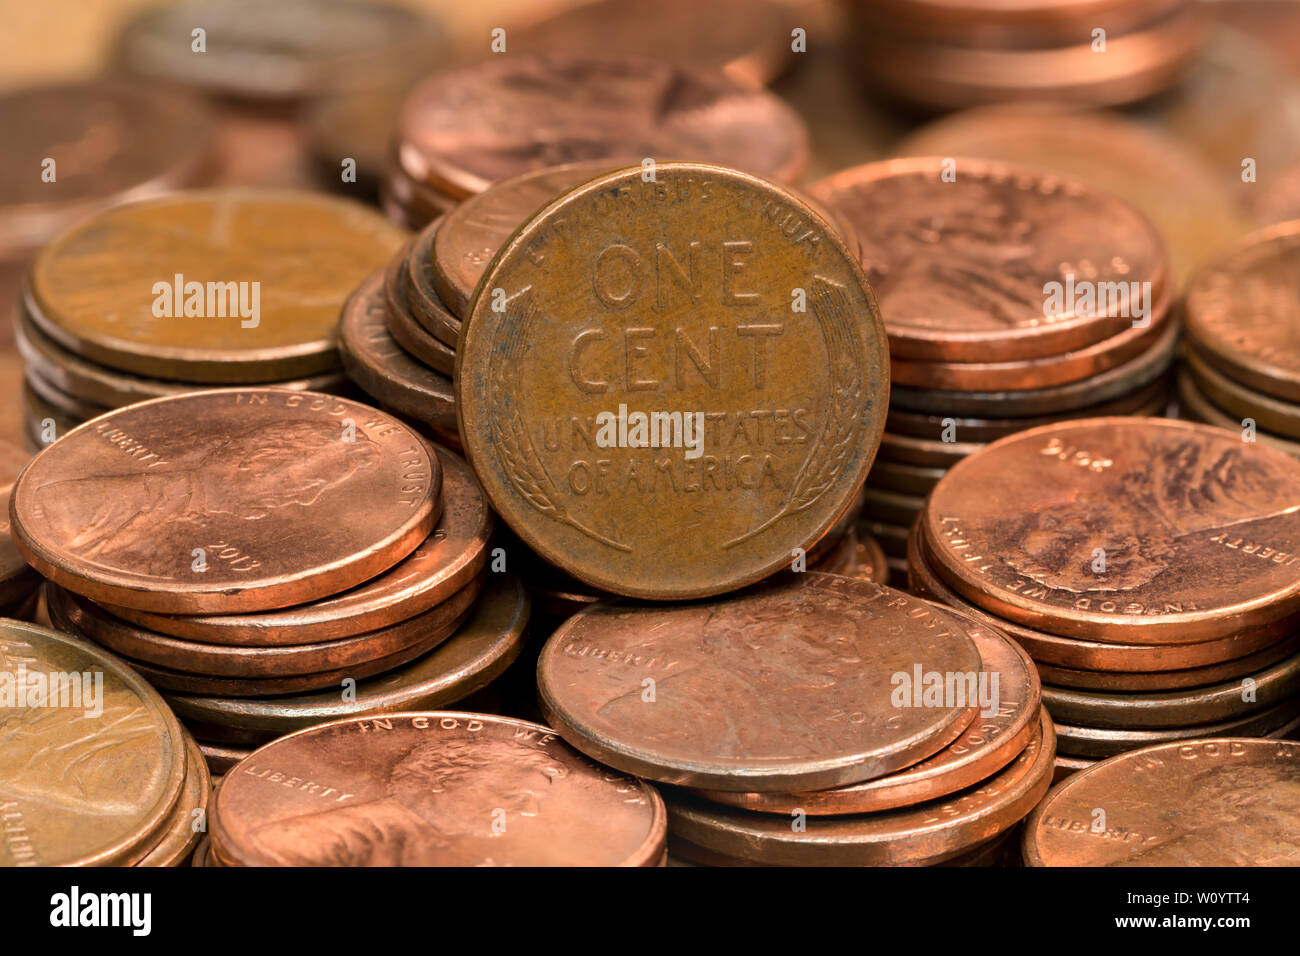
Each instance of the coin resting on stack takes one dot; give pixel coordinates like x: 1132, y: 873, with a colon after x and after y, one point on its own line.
x: 963, y: 255
x: 790, y: 714
x: 1241, y: 366
x: 195, y: 289
x: 1147, y: 565
x: 270, y: 558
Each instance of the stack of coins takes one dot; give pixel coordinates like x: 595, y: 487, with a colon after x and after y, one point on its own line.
x: 1241, y: 366
x: 195, y: 289
x: 1147, y: 565
x: 949, y: 54
x: 462, y: 130
x: 821, y: 720
x: 262, y: 543
x: 1013, y: 298
x: 95, y: 770
x: 266, y: 70
x: 431, y: 789
x: 1217, y: 802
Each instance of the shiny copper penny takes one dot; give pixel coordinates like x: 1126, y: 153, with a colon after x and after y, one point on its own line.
x: 227, y: 501
x: 462, y: 130
x: 961, y: 266
x: 223, y: 660
x: 1101, y: 656
x: 189, y: 819
x: 926, y: 834
x: 90, y: 775
x: 382, y: 368
x: 480, y: 650
x: 130, y: 287
x: 659, y: 691
x: 453, y: 554
x: 433, y: 788
x: 1007, y: 719
x: 1201, y: 705
x: 1199, y: 530
x: 1100, y: 742
x: 1224, y: 802
x: 600, y: 313
x: 1242, y: 309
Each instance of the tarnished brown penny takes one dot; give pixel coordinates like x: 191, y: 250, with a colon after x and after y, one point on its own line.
x: 227, y: 501
x: 1177, y: 708
x: 1243, y: 309
x: 961, y: 266
x: 1102, y: 387
x: 1222, y: 802
x: 382, y: 368
x: 599, y: 313
x: 488, y: 641
x: 1106, y: 742
x: 1241, y: 403
x: 189, y: 819
x: 90, y: 777
x: 926, y: 834
x: 108, y: 142
x: 1096, y: 655
x: 106, y: 289
x: 443, y: 563
x: 800, y: 648
x: 1199, y: 530
x: 1195, y: 405
x: 462, y: 130
x: 224, y: 660
x: 997, y: 735
x: 433, y: 788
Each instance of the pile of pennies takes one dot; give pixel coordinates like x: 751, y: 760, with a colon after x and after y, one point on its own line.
x: 1147, y: 565
x: 963, y: 255
x: 1241, y: 368
x: 950, y: 54
x: 196, y: 289
x: 269, y: 559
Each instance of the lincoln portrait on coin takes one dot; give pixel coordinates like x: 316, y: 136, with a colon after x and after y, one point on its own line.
x: 447, y: 802
x: 145, y: 519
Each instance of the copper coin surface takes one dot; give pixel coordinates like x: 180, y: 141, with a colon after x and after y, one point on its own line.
x: 1270, y: 414
x: 1224, y: 802
x: 453, y: 553
x: 214, y: 286
x: 798, y: 647
x: 1099, y: 656
x: 464, y: 129
x: 426, y: 302
x: 1100, y: 742
x: 382, y: 368
x: 402, y: 326
x: 433, y: 788
x: 961, y: 266
x: 189, y: 819
x: 108, y: 142
x: 480, y: 650
x: 227, y: 501
x: 1243, y: 311
x: 925, y: 834
x: 90, y: 775
x: 997, y: 735
x: 1195, y: 405
x: 1139, y: 530
x: 602, y: 316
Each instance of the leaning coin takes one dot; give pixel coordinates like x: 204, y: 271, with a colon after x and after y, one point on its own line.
x: 226, y: 501
x: 1222, y: 802
x: 433, y: 788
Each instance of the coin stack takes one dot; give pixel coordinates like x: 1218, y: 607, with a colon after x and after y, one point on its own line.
x: 1013, y: 298
x: 940, y: 54
x: 794, y: 751
x: 95, y: 769
x: 1241, y: 366
x: 1147, y: 565
x: 269, y: 559
x: 462, y: 130
x: 191, y: 290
